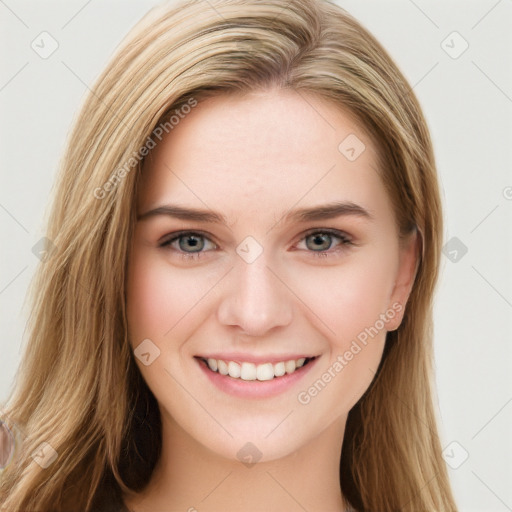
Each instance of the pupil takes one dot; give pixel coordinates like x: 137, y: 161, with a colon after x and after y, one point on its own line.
x: 192, y: 241
x: 321, y: 239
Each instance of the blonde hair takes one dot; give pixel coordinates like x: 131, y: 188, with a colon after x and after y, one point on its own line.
x: 78, y: 388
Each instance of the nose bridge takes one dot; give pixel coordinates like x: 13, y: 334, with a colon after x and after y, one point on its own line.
x: 255, y: 299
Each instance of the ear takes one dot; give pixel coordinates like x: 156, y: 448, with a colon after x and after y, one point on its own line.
x: 410, y: 248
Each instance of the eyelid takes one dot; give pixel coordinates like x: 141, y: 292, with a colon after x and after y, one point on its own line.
x: 170, y: 237
x: 339, y: 233
x: 346, y: 242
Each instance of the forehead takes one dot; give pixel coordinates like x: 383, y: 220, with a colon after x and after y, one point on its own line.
x: 262, y: 153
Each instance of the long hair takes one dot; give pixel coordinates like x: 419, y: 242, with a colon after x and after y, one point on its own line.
x: 78, y: 392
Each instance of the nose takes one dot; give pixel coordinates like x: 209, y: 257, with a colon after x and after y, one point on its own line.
x: 255, y: 299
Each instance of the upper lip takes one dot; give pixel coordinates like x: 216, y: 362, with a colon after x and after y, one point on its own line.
x: 239, y: 357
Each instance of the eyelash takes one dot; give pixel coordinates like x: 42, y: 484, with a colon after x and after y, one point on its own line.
x: 345, y: 240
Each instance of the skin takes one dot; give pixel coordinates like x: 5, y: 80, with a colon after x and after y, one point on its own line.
x: 253, y: 158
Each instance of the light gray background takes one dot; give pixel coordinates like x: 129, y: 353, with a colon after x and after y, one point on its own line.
x: 468, y: 105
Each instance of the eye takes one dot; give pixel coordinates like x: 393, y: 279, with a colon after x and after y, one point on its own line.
x: 191, y: 245
x: 320, y: 241
x: 188, y: 244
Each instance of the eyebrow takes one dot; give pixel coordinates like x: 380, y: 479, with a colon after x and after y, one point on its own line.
x: 314, y: 213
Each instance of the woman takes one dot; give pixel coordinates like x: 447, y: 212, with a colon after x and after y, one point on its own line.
x: 236, y: 310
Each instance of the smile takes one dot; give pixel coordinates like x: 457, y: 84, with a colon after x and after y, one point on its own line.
x: 250, y: 371
x: 255, y: 376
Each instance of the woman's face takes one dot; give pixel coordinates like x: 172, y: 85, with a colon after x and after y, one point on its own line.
x: 266, y: 248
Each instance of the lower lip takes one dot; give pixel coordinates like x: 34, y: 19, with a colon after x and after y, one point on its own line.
x: 255, y: 388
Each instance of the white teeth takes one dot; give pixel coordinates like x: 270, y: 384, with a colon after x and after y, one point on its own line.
x: 234, y: 369
x: 251, y: 371
x: 290, y: 366
x: 248, y: 371
x: 265, y: 371
x: 279, y: 369
x: 223, y: 367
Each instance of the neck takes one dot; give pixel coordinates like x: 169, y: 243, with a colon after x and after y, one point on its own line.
x: 190, y: 477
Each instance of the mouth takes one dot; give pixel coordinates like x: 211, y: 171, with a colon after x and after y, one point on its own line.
x: 249, y: 371
x: 255, y: 377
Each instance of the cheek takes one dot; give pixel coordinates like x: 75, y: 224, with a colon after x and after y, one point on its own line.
x: 349, y: 302
x: 163, y: 305
x: 347, y: 298
x: 160, y: 297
